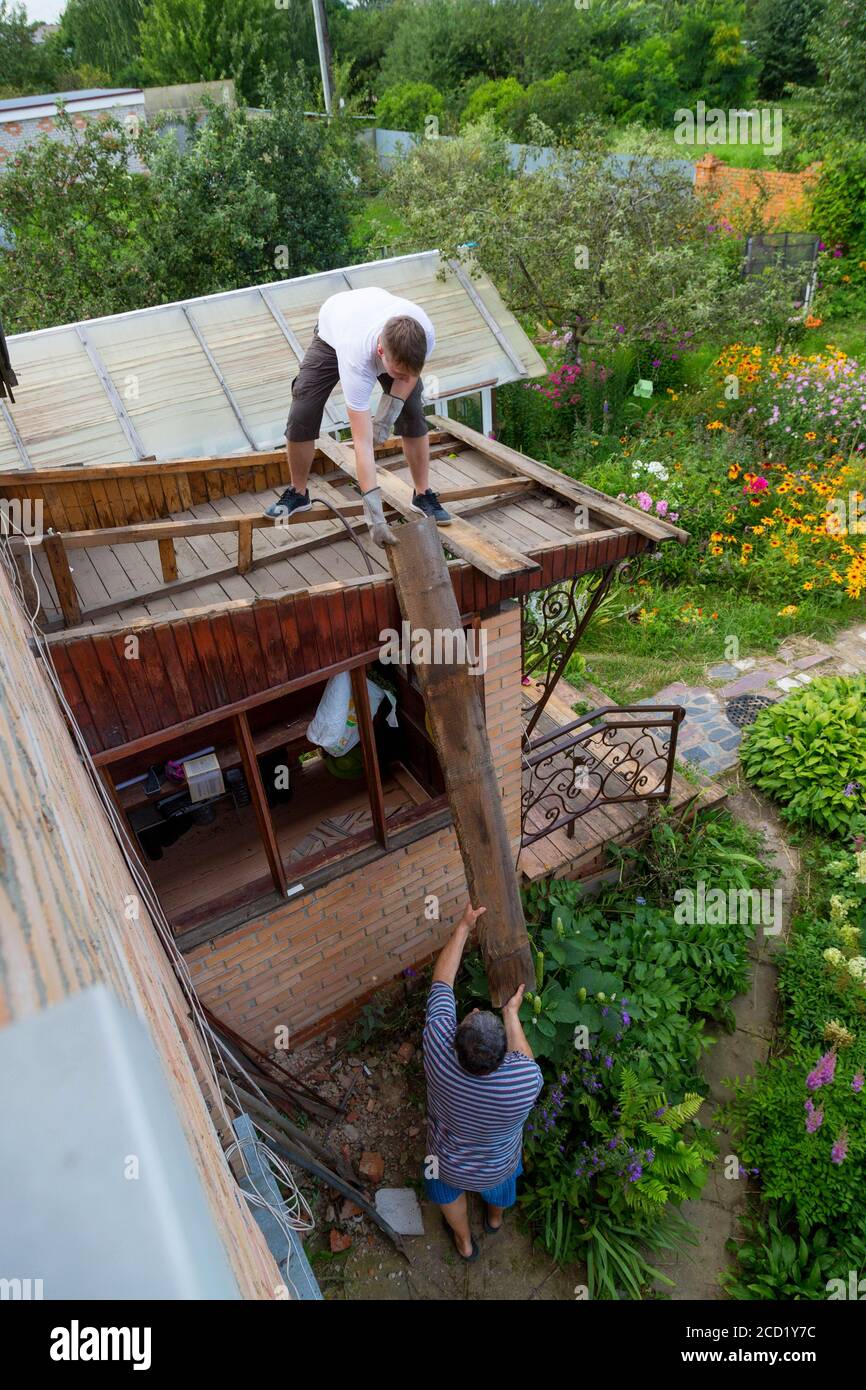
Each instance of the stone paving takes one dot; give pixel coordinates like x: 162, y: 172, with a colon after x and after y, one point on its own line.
x: 708, y: 738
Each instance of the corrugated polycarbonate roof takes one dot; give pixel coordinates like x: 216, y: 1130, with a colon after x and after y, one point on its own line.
x: 213, y: 375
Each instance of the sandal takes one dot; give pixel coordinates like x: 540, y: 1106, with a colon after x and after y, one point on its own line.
x: 467, y: 1259
x: 491, y: 1230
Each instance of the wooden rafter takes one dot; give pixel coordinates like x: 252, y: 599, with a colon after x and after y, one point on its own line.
x: 577, y: 494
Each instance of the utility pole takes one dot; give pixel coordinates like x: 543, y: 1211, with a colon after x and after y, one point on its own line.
x: 323, y: 43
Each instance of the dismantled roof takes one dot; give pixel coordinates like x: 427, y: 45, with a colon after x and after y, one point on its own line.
x: 212, y: 376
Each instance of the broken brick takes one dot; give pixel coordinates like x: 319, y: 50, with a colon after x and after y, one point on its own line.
x: 405, y: 1052
x: 339, y: 1242
x: 372, y: 1167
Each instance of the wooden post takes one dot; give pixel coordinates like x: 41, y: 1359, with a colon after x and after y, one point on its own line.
x: 168, y: 560
x: 247, y: 750
x: 62, y: 576
x: 456, y: 720
x: 361, y: 697
x: 245, y: 545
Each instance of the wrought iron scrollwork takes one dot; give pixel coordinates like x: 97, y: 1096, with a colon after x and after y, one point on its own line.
x: 555, y: 619
x: 616, y: 754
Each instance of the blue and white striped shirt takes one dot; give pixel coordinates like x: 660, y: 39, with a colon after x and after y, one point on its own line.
x: 474, y: 1123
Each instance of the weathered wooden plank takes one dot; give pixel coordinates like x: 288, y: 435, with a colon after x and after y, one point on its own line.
x: 168, y: 559
x: 55, y: 550
x: 461, y: 538
x: 427, y: 602
x: 245, y: 544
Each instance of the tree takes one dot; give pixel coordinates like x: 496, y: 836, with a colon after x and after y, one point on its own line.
x: 407, y: 106
x: 498, y: 96
x: 778, y: 30
x: 611, y: 253
x: 205, y: 40
x: 104, y: 34
x: 252, y: 199
x: 837, y: 44
x: 25, y: 67
x: 79, y: 221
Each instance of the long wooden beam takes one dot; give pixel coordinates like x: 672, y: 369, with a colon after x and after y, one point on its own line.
x: 456, y: 720
x: 490, y: 557
x: 171, y: 531
x: 578, y: 494
x: 287, y: 552
x: 102, y: 472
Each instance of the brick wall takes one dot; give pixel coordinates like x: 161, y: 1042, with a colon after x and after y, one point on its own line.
x: 322, y: 954
x: 16, y: 135
x: 784, y: 199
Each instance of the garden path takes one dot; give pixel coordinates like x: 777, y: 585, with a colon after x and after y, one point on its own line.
x: 709, y: 739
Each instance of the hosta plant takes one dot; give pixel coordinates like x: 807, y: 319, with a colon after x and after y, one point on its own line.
x: 808, y: 753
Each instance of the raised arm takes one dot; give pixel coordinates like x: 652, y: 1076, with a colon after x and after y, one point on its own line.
x: 514, y: 1034
x: 448, y: 962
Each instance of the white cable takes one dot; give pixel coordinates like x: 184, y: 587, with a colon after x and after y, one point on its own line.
x: 148, y: 895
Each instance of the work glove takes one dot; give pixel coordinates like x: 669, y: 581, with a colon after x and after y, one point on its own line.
x: 379, y: 529
x: 388, y: 409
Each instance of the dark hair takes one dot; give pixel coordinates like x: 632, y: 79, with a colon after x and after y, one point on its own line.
x: 480, y: 1043
x: 405, y: 342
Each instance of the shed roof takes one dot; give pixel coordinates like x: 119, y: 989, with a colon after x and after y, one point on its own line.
x: 212, y: 376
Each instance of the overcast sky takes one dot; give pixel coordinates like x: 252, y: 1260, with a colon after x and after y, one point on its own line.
x: 46, y: 10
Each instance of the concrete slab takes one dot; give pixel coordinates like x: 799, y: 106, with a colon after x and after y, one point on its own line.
x: 401, y: 1209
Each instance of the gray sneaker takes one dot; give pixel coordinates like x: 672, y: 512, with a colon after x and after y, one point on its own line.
x: 429, y: 505
x: 289, y: 503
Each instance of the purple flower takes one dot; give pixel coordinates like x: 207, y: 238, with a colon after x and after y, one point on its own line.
x: 814, y: 1120
x: 839, y: 1151
x: 852, y: 787
x: 857, y: 1083
x: 823, y: 1073
x: 642, y: 901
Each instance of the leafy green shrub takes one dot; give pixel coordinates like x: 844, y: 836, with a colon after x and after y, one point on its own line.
x: 807, y: 1136
x: 637, y: 1157
x: 808, y: 752
x: 778, y: 1260
x: 407, y: 105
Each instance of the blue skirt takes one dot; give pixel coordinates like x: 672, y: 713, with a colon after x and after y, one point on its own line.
x: 504, y: 1194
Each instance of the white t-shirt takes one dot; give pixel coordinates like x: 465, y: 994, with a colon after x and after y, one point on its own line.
x: 351, y: 323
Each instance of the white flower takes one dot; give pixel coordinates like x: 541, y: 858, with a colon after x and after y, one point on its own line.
x: 833, y: 956
x: 857, y: 967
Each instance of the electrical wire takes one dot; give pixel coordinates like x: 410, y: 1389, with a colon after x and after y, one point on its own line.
x: 300, y: 1216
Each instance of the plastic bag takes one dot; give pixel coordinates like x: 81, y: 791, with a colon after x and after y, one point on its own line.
x: 334, y: 726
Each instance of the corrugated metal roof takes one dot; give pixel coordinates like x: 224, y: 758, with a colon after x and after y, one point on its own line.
x: 213, y: 375
x: 47, y: 98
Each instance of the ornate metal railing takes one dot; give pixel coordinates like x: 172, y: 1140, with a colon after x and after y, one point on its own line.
x: 617, y: 753
x: 555, y: 619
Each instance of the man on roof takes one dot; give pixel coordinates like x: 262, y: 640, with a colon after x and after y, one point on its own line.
x: 364, y: 336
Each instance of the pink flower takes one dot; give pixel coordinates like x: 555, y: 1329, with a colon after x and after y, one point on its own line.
x: 662, y: 507
x: 839, y: 1151
x: 822, y: 1074
x: 644, y: 501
